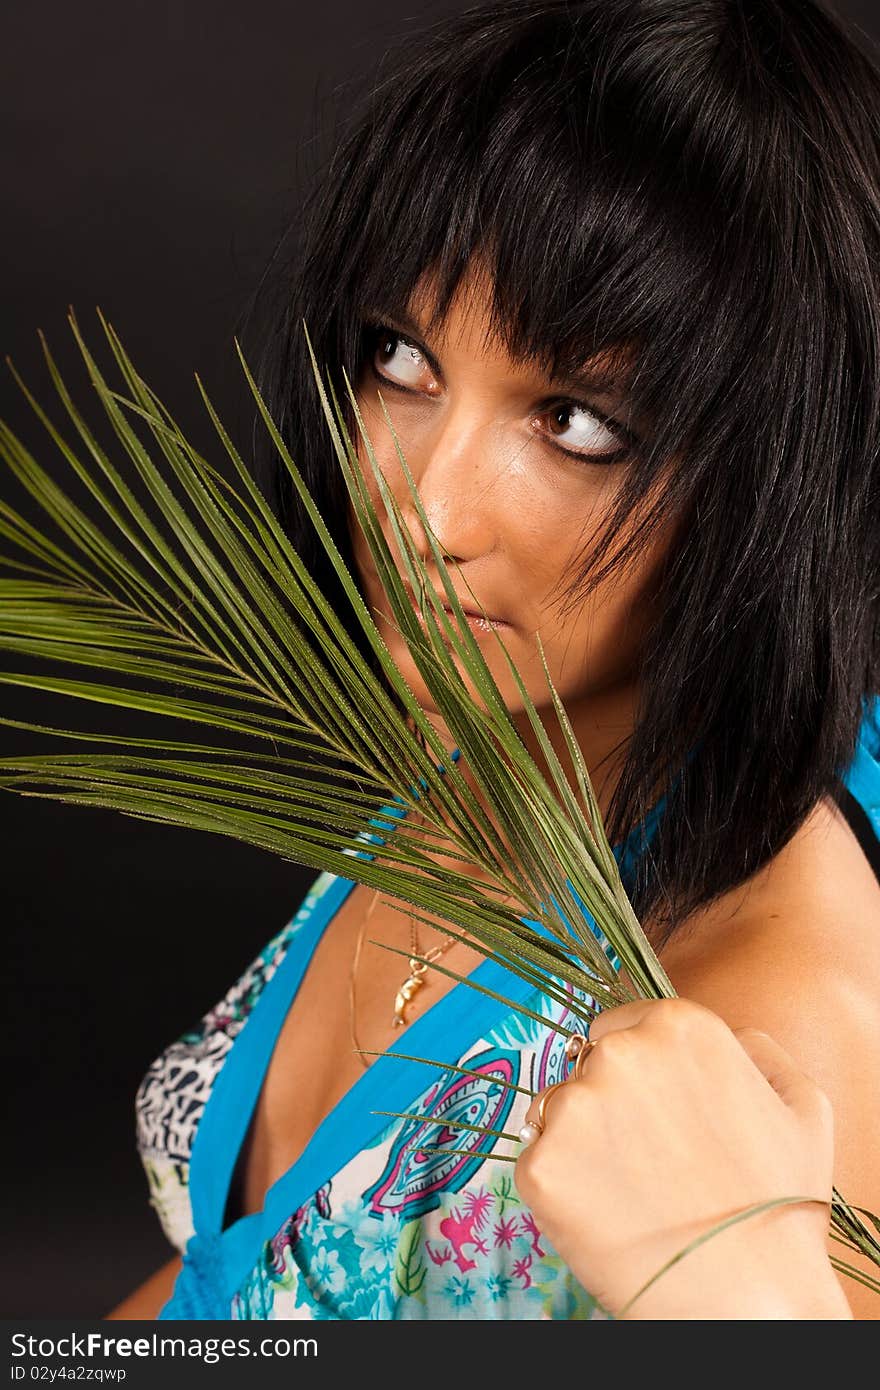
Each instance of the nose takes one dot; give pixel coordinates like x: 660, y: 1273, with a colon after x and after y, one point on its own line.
x: 455, y: 471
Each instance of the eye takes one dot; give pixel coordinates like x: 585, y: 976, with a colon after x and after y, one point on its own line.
x: 583, y: 432
x: 396, y: 360
x: 577, y: 430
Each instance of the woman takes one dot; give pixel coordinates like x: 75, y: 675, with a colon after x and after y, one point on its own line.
x: 613, y: 267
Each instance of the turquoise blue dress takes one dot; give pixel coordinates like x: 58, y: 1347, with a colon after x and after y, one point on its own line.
x: 371, y: 1221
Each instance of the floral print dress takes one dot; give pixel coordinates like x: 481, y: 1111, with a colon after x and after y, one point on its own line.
x: 376, y: 1218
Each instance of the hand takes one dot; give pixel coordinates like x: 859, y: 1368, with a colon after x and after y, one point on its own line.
x: 675, y: 1124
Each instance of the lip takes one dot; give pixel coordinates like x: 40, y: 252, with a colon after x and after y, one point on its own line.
x: 475, y: 620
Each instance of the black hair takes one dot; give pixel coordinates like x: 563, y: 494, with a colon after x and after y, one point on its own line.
x: 698, y: 181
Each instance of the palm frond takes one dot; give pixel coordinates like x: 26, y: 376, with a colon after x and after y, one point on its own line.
x: 451, y: 1124
x: 447, y: 1066
x: 212, y: 619
x: 757, y: 1209
x: 189, y: 603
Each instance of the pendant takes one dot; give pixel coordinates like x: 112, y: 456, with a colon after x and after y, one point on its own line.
x: 411, y: 985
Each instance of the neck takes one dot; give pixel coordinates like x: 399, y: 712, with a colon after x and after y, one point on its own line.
x: 602, y: 726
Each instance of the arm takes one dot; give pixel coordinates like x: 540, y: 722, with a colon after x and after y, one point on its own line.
x: 146, y: 1301
x: 798, y: 956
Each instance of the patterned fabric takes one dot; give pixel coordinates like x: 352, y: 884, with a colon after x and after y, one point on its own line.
x: 403, y: 1231
x: 173, y: 1094
x: 374, y: 1220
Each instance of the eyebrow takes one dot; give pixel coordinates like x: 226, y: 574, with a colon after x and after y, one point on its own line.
x: 593, y: 377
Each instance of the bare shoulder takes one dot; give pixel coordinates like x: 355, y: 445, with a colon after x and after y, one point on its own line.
x: 795, y: 952
x: 801, y: 937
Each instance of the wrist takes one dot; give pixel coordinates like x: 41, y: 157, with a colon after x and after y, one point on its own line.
x: 786, y: 1285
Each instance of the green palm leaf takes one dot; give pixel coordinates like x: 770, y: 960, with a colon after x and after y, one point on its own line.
x: 189, y: 603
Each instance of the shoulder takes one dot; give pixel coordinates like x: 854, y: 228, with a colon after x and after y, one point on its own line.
x: 795, y: 952
x: 799, y: 942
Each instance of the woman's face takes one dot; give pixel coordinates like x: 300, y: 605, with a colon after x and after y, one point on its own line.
x: 485, y: 438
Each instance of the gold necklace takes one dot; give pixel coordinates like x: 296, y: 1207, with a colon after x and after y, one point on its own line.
x: 418, y: 966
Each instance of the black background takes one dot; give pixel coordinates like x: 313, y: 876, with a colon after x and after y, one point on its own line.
x: 152, y: 154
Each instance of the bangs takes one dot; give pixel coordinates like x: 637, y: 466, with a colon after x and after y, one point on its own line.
x: 586, y: 239
x: 612, y: 200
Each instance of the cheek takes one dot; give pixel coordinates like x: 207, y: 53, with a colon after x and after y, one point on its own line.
x: 594, y: 642
x: 388, y: 463
x: 385, y: 456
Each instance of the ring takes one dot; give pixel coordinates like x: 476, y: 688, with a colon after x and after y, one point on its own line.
x: 542, y: 1103
x: 577, y: 1049
x: 533, y: 1129
x: 529, y: 1133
